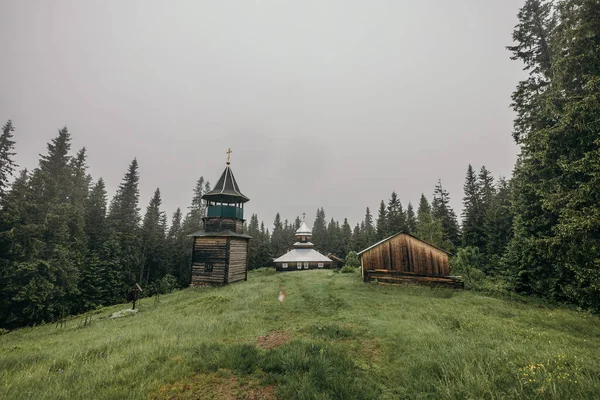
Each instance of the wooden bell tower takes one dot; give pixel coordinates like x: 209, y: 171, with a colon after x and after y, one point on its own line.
x: 220, y: 252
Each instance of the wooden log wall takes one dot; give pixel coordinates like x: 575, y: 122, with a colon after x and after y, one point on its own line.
x: 406, y: 253
x: 396, y: 277
x: 209, y: 250
x: 238, y: 259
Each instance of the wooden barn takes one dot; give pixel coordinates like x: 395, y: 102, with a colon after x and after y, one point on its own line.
x: 403, y: 258
x: 220, y: 252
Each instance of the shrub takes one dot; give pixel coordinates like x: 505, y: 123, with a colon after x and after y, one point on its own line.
x: 168, y: 284
x: 352, y: 259
x: 468, y: 263
x: 346, y: 269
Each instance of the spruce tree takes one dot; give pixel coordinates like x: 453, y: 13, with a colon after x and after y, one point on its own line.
x: 95, y: 276
x: 265, y: 252
x: 411, y: 220
x: 472, y: 223
x: 155, y: 262
x: 428, y: 228
x: 124, y: 221
x: 319, y: 231
x: 530, y: 255
x: 370, y: 233
x: 357, y: 239
x: 498, y: 226
x: 334, y: 243
x: 346, y: 238
x: 7, y: 164
x: 193, y: 220
x: 57, y: 265
x: 555, y: 250
x: 278, y: 242
x: 396, y: 218
x: 381, y: 222
x: 441, y: 210
x: 20, y: 248
x: 255, y: 244
x: 95, y: 216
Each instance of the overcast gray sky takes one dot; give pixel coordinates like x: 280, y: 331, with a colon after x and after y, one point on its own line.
x: 324, y: 103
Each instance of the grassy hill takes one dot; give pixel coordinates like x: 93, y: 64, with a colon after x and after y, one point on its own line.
x: 334, y: 337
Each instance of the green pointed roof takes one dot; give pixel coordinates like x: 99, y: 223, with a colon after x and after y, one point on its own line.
x: 226, y: 190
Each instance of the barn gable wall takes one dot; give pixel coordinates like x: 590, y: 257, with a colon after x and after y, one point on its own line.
x: 404, y: 253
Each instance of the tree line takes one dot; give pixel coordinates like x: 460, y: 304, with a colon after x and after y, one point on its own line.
x: 65, y: 249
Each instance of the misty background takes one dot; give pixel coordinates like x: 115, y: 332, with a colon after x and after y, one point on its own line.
x: 323, y: 103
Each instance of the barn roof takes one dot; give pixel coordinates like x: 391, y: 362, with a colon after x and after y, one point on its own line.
x: 300, y: 255
x: 400, y: 233
x: 226, y: 190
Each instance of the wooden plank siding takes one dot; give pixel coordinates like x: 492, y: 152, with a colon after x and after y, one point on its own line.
x: 406, y: 254
x: 238, y: 263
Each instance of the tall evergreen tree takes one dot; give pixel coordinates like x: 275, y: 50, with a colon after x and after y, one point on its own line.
x: 346, y: 237
x: 530, y: 255
x: 254, y: 245
x: 396, y: 219
x: 155, y: 260
x: 193, y: 221
x: 319, y: 231
x: 356, y: 242
x: 498, y: 225
x: 95, y: 216
x: 277, y: 237
x: 124, y: 221
x: 382, y: 221
x: 472, y: 224
x: 179, y: 246
x: 22, y: 288
x: 265, y: 251
x: 334, y: 243
x: 554, y: 252
x: 411, y: 219
x: 441, y: 210
x: 428, y: 228
x: 370, y: 235
x: 7, y: 164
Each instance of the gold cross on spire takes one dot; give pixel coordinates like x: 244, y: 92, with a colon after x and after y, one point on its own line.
x: 229, y: 156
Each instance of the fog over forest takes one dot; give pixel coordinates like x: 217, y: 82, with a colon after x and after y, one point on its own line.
x: 324, y: 104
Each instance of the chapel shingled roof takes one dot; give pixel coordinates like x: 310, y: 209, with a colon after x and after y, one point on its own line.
x: 226, y: 190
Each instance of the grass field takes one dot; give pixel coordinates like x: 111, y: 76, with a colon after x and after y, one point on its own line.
x: 335, y: 337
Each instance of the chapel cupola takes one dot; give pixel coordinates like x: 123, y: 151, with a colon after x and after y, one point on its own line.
x: 303, y: 236
x: 225, y: 204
